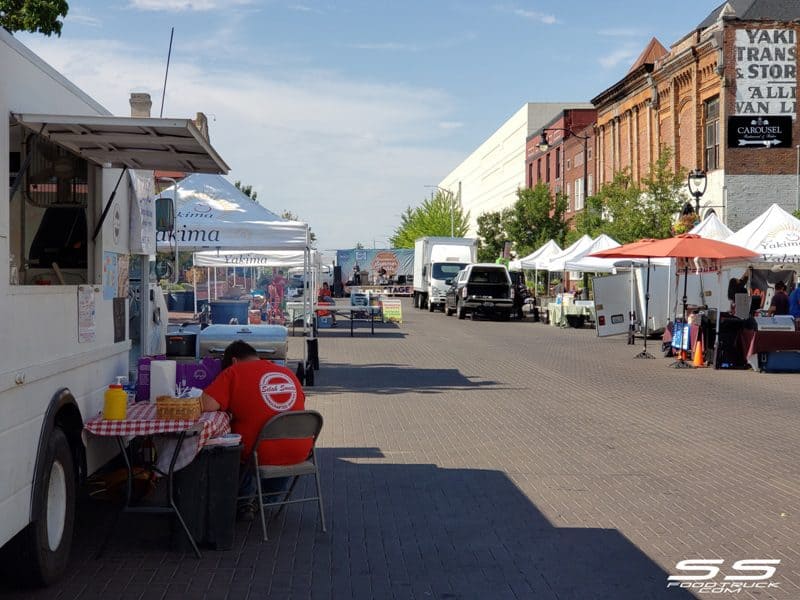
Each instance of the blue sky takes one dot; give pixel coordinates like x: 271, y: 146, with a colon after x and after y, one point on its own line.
x: 343, y: 111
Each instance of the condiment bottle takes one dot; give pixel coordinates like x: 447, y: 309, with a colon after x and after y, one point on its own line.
x: 115, y: 407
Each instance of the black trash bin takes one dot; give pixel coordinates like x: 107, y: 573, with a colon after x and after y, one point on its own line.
x: 205, y: 493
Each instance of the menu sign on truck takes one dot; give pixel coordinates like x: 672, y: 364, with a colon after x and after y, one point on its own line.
x: 766, y: 72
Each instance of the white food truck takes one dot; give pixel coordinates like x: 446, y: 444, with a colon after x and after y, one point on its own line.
x: 437, y: 260
x: 76, y: 217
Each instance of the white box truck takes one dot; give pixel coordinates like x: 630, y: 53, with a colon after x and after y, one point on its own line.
x: 437, y: 260
x: 77, y: 211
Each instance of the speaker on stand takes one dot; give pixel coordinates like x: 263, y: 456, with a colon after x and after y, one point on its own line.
x: 338, y: 288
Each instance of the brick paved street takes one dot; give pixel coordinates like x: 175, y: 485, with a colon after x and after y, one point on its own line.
x: 500, y: 460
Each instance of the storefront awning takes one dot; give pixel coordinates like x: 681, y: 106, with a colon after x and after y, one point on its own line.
x: 136, y: 143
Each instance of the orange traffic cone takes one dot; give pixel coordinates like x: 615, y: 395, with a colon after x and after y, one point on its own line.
x: 698, y: 361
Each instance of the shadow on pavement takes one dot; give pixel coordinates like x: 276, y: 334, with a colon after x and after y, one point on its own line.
x: 418, y: 530
x: 394, y: 531
x: 396, y: 379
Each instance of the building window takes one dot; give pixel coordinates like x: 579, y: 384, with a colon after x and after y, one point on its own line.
x: 579, y: 194
x: 539, y: 170
x: 546, y: 168
x: 558, y: 163
x: 711, y: 119
x: 569, y: 164
x: 590, y: 186
x: 530, y: 174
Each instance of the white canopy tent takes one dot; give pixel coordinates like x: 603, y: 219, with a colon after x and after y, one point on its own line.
x: 538, y: 258
x: 559, y: 261
x: 601, y: 242
x: 210, y: 212
x: 254, y: 258
x: 712, y: 228
x: 217, y: 222
x: 775, y: 235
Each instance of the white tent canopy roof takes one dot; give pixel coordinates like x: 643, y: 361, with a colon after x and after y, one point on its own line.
x: 712, y: 228
x: 559, y: 261
x: 541, y: 256
x: 211, y: 212
x: 775, y: 235
x: 254, y: 258
x: 601, y: 242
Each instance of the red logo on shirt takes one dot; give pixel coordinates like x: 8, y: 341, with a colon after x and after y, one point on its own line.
x: 278, y: 391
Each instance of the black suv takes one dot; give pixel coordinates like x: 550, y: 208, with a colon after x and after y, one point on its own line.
x: 481, y: 289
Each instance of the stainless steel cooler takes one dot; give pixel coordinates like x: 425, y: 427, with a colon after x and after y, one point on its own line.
x: 270, y: 341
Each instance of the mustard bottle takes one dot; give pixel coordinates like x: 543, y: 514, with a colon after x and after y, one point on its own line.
x: 115, y: 406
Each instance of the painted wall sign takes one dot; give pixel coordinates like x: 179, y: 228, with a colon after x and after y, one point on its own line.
x: 766, y: 72
x: 760, y: 132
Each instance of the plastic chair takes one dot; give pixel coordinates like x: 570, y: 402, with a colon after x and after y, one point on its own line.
x: 292, y: 425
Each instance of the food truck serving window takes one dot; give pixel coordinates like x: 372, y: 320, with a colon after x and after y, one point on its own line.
x: 48, y: 214
x: 60, y: 157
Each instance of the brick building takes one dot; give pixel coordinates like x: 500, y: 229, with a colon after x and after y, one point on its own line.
x: 561, y: 166
x: 724, y: 98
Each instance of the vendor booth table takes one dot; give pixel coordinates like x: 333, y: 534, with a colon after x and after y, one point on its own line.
x: 757, y: 343
x: 559, y: 313
x: 177, y: 442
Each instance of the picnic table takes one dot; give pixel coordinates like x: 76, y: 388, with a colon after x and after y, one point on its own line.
x: 295, y: 308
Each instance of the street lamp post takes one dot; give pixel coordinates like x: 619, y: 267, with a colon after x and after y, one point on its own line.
x: 544, y: 146
x: 697, y: 183
x: 450, y: 196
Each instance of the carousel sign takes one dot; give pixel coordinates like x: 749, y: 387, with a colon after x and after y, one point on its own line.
x: 760, y: 132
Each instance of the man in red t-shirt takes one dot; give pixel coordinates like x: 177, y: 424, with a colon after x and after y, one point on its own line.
x: 254, y: 391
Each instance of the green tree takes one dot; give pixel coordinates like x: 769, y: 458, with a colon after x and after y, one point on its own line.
x: 535, y: 218
x: 664, y: 195
x: 35, y: 16
x: 434, y: 217
x: 247, y: 190
x: 628, y: 211
x: 491, y: 234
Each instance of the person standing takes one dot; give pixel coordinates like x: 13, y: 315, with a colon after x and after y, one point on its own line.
x: 780, y: 301
x: 356, y: 274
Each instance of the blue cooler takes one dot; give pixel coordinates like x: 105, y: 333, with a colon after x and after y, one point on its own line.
x: 324, y: 322
x: 787, y: 361
x: 222, y: 311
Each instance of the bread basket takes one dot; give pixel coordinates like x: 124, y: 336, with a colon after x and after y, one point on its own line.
x: 174, y: 409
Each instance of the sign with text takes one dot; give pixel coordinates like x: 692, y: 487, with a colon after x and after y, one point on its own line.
x: 760, y: 132
x: 392, y: 310
x: 766, y: 72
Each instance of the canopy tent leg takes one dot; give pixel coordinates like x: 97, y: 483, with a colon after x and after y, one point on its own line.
x: 681, y: 363
x: 632, y: 310
x: 719, y: 318
x: 194, y: 285
x: 644, y: 353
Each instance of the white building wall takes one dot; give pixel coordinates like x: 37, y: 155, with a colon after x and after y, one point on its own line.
x: 491, y: 175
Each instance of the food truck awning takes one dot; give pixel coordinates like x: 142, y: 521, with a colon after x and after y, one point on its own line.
x: 136, y: 143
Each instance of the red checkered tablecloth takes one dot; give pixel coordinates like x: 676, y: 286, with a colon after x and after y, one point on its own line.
x: 141, y: 421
